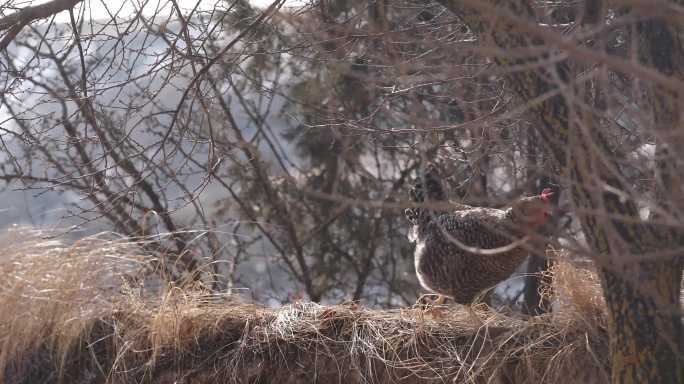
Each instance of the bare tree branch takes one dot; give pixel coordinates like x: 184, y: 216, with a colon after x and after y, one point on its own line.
x: 26, y: 15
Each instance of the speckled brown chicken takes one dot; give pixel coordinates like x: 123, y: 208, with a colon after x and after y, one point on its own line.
x: 463, y: 252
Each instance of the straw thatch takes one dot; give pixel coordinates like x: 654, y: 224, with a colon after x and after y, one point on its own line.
x: 70, y: 314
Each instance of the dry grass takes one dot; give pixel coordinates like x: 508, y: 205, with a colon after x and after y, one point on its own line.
x: 68, y: 316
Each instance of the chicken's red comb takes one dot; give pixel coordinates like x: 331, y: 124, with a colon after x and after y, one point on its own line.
x: 546, y: 195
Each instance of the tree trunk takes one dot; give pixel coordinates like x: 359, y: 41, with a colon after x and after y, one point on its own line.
x: 644, y: 323
x: 642, y: 296
x: 534, y: 303
x: 536, y: 274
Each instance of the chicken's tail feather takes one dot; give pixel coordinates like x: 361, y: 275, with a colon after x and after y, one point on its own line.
x: 427, y: 187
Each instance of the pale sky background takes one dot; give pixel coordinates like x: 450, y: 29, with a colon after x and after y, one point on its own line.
x: 97, y: 9
x: 17, y: 206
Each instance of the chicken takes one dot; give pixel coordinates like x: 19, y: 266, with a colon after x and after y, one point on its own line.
x: 461, y: 253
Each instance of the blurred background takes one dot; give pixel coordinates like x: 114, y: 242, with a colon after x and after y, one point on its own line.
x: 267, y: 148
